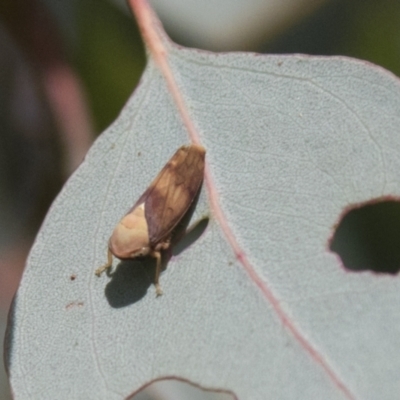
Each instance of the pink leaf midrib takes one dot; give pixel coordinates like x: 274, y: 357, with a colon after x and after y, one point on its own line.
x: 156, y: 40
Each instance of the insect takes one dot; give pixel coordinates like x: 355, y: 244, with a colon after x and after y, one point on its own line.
x: 147, y: 227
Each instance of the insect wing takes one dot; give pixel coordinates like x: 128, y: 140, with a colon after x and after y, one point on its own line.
x: 172, y: 192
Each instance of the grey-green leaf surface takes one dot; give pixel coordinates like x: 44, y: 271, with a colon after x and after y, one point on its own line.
x: 291, y: 142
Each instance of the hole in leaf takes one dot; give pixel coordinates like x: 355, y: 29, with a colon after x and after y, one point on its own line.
x: 179, y: 389
x: 368, y: 238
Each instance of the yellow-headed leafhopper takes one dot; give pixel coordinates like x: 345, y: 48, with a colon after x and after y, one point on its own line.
x: 146, y: 229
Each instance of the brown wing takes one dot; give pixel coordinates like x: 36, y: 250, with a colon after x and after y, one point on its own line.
x: 173, y: 190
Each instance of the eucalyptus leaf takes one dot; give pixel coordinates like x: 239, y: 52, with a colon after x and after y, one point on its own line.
x: 292, y: 141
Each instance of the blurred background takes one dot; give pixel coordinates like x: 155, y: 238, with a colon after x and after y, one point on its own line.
x: 68, y: 67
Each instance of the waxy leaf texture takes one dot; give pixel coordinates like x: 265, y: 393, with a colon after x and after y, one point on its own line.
x: 258, y: 305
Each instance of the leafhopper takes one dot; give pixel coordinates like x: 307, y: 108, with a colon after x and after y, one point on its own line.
x: 147, y: 227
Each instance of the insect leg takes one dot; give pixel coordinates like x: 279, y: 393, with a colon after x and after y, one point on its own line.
x: 106, y: 266
x: 157, y: 256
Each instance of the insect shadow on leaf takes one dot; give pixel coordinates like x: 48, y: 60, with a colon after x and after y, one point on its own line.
x: 190, y: 236
x: 131, y: 278
x: 148, y: 227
